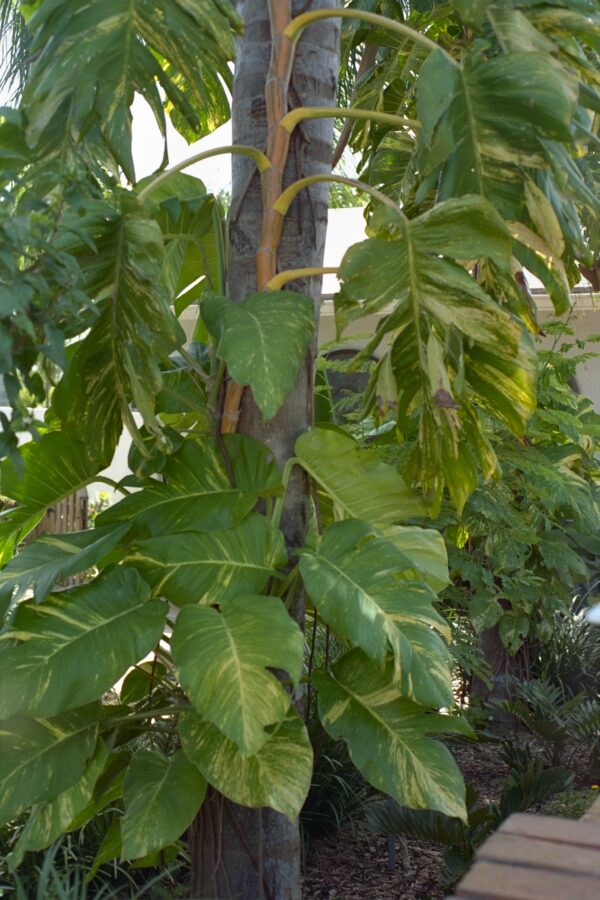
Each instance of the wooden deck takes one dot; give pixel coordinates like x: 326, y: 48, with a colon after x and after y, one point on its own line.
x: 538, y: 858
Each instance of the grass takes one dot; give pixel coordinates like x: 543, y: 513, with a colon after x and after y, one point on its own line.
x: 572, y: 803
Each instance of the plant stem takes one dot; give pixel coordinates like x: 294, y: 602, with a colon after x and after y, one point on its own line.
x: 285, y: 199
x: 193, y: 364
x: 116, y: 485
x: 150, y: 714
x: 285, y: 477
x: 277, y: 282
x: 261, y: 160
x: 294, y: 116
x: 297, y: 25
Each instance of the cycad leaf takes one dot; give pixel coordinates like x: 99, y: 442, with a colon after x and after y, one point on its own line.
x: 278, y: 776
x: 360, y: 484
x: 358, y: 582
x: 222, y: 660
x: 98, y: 54
x: 161, y: 798
x: 387, y: 736
x: 198, y: 494
x: 77, y: 644
x: 263, y: 340
x: 190, y: 567
x: 54, y: 557
x: 41, y: 758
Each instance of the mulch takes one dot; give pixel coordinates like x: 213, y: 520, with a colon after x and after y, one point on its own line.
x: 355, y: 865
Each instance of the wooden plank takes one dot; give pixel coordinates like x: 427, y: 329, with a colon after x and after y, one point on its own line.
x: 593, y: 812
x: 497, y: 881
x: 551, y: 828
x: 519, y: 850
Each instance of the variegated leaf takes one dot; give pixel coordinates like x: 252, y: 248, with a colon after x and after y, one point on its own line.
x: 54, y: 557
x: 367, y: 591
x: 41, y: 758
x: 277, y: 776
x: 223, y: 658
x: 77, y: 644
x: 387, y: 736
x: 49, y: 820
x: 198, y: 494
x: 161, y: 798
x: 360, y: 484
x: 190, y: 567
x: 263, y: 340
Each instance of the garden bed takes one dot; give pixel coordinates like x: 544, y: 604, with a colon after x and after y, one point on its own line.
x: 355, y: 865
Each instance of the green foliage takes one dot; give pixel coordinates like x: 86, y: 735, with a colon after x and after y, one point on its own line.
x: 263, y: 340
x: 92, y: 57
x: 522, y: 546
x: 387, y: 735
x: 188, y: 602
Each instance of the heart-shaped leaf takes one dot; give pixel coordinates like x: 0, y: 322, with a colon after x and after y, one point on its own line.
x: 223, y: 660
x: 77, y: 644
x: 263, y: 340
x: 277, y: 776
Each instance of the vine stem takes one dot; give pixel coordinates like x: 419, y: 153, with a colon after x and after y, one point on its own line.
x: 261, y: 160
x: 150, y: 714
x: 116, y: 485
x: 277, y: 282
x: 300, y: 113
x: 296, y: 27
x: 285, y: 199
x: 193, y: 364
x: 285, y: 477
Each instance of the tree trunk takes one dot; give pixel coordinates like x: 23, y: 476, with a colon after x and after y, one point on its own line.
x: 237, y: 852
x: 502, y: 665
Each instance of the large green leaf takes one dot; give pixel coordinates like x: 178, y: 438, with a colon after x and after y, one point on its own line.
x: 426, y: 549
x: 190, y: 222
x: 198, y: 494
x: 364, y: 588
x: 54, y: 557
x: 54, y: 467
x: 387, y: 736
x: 223, y: 659
x: 96, y: 55
x: 161, y: 798
x: 277, y: 776
x: 41, y: 758
x: 491, y: 116
x: 263, y: 340
x: 49, y: 820
x: 190, y: 567
x: 77, y: 644
x: 440, y: 319
x: 360, y: 484
x: 119, y: 360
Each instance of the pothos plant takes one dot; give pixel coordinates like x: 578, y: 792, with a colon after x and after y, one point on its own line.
x: 194, y: 582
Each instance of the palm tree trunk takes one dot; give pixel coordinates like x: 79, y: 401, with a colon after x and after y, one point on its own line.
x: 236, y: 852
